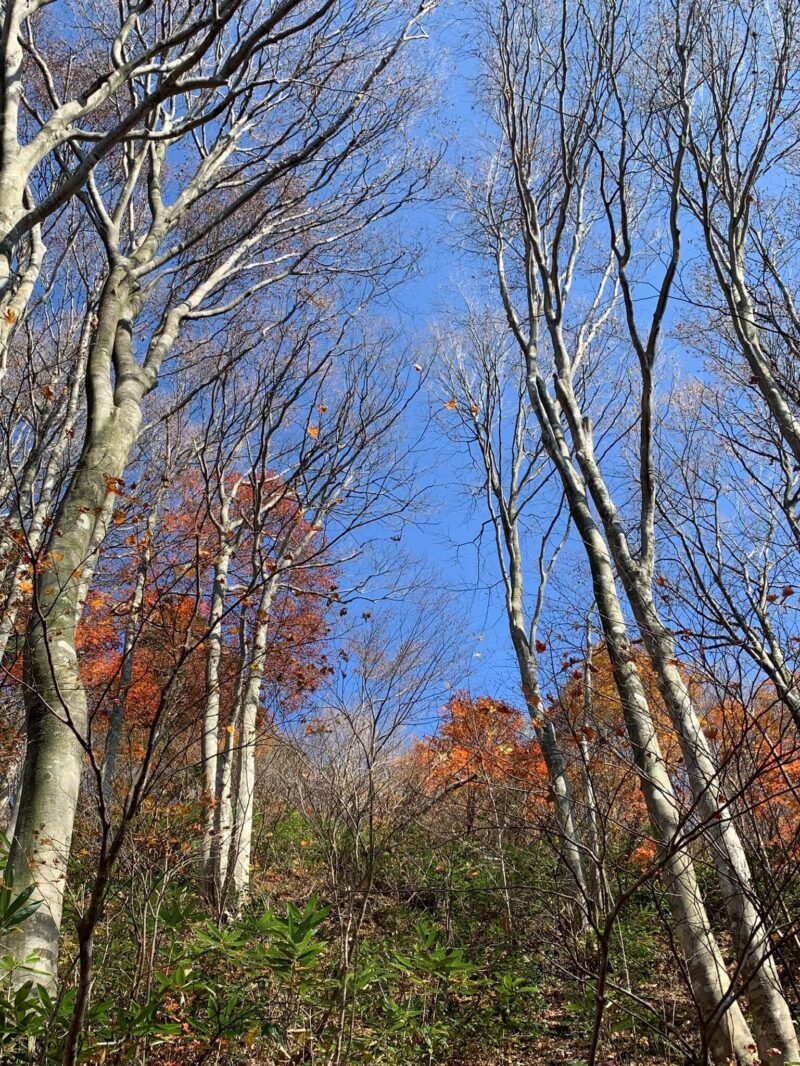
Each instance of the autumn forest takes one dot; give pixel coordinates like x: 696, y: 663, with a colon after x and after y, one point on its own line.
x: 400, y: 532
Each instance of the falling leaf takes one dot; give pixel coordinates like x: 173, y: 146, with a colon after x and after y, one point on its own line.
x: 322, y: 408
x: 451, y: 405
x: 313, y: 431
x: 474, y: 409
x: 10, y: 316
x: 48, y: 392
x: 25, y: 586
x: 541, y: 646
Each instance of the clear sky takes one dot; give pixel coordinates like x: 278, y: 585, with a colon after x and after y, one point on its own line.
x: 445, y: 540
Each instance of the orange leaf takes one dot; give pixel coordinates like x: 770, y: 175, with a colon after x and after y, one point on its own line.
x: 313, y: 431
x: 10, y: 316
x: 322, y: 408
x: 451, y: 405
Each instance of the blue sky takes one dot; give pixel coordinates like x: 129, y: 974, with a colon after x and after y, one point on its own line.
x: 444, y: 540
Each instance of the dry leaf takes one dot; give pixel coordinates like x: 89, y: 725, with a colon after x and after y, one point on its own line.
x: 313, y: 431
x: 451, y: 405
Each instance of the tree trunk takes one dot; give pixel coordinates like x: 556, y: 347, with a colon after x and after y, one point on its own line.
x: 210, y: 738
x: 728, y: 1035
x: 223, y: 810
x: 55, y: 702
x: 775, y: 1032
x: 777, y: 1041
x: 55, y: 698
x: 727, y: 1032
x: 245, y: 792
x: 575, y: 887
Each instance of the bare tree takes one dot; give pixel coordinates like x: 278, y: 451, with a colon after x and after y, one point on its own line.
x: 545, y: 230
x: 484, y: 396
x: 296, y: 163
x: 350, y: 772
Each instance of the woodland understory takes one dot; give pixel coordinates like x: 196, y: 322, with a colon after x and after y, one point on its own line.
x: 399, y: 532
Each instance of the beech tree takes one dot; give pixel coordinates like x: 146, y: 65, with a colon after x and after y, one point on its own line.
x: 572, y: 112
x: 483, y: 393
x: 282, y: 178
x: 340, y: 473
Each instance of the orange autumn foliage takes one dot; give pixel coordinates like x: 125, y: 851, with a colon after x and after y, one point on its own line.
x: 757, y: 749
x: 175, y: 610
x: 753, y: 744
x: 481, y: 739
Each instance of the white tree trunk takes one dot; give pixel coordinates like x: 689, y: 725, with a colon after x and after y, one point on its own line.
x: 223, y: 812
x: 775, y: 1032
x: 575, y: 887
x: 777, y: 1040
x: 56, y: 700
x: 728, y: 1034
x: 242, y: 842
x: 209, y: 741
x: 54, y: 695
